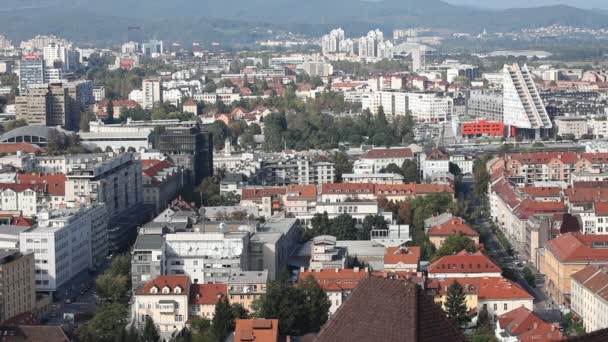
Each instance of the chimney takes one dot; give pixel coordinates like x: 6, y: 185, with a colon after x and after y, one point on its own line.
x: 338, y: 271
x: 302, y: 269
x: 356, y: 269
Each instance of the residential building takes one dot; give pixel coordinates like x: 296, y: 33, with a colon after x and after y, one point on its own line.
x: 18, y: 287
x: 589, y: 299
x: 523, y: 107
x: 496, y: 295
x: 566, y: 255
x: 148, y: 259
x: 464, y: 265
x: 521, y: 324
x: 380, y: 158
x: 402, y: 259
x: 318, y: 68
x: 191, y: 149
x: 162, y: 181
x: 454, y: 226
x: 376, y: 178
x: 571, y: 126
x: 430, y: 107
x: 152, y: 93
x: 338, y: 284
x: 434, y: 163
x: 244, y: 287
x: 486, y: 105
x: 393, y: 103
x: 419, y: 58
x: 204, y: 298
x: 164, y: 299
x: 387, y: 310
x: 54, y: 105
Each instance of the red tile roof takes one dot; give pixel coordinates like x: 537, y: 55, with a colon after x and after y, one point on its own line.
x: 565, y: 157
x: 383, y: 153
x: 347, y: 188
x: 54, y: 182
x: 526, y: 325
x: 595, y: 279
x: 302, y: 192
x: 464, y: 262
x: 22, y: 187
x: 486, y: 288
x: 575, y: 247
x: 601, y: 208
x: 334, y: 279
x: 172, y: 281
x: 411, y: 189
x: 452, y: 227
x: 542, y: 191
x: 406, y: 255
x: 207, y: 294
x: 12, y: 148
x: 152, y: 167
x: 258, y: 193
x: 256, y: 329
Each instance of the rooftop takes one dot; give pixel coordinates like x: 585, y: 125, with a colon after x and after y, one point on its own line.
x: 464, y: 262
x: 575, y: 247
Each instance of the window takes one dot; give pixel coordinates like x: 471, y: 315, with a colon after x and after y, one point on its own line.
x: 505, y: 307
x: 495, y: 307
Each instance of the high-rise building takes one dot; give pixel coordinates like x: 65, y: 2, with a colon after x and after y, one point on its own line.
x: 524, y: 111
x: 330, y: 43
x: 485, y: 104
x: 55, y: 56
x: 321, y: 69
x: 190, y: 148
x: 393, y: 103
x: 152, y: 93
x: 373, y: 46
x: 33, y: 106
x: 419, y: 59
x: 18, y: 287
x: 31, y: 72
x: 152, y: 47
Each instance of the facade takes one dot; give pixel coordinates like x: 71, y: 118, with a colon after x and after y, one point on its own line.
x: 148, y: 259
x: 402, y: 259
x: 419, y: 59
x: 438, y: 233
x: 324, y: 254
x: 32, y: 106
x: 429, y: 107
x: 571, y: 126
x: 31, y: 72
x: 566, y: 255
x: 483, y: 128
x: 18, y: 287
x: 152, y: 93
x: 165, y: 300
x: 380, y: 158
x: 161, y: 183
x: 523, y: 106
x: 61, y: 243
x: 393, y: 103
x: 245, y: 287
x: 57, y: 104
x: 376, y: 178
x: 191, y: 149
x: 521, y: 324
x: 589, y: 299
x: 464, y: 265
x: 204, y: 297
x: 486, y: 105
x: 435, y: 163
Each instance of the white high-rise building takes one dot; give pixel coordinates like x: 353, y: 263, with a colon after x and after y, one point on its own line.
x: 347, y: 46
x: 428, y: 107
x: 373, y: 46
x: 59, y: 56
x: 152, y: 93
x: 419, y: 59
x: 129, y: 48
x: 523, y: 106
x: 393, y: 103
x: 330, y: 43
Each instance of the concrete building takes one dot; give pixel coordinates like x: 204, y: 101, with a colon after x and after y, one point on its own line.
x: 191, y: 149
x: 147, y: 259
x: 523, y: 107
x: 324, y: 254
x: 430, y: 107
x: 33, y: 107
x: 162, y: 181
x: 152, y: 93
x: 589, y: 299
x: 393, y: 103
x: 571, y: 126
x: 318, y: 68
x: 31, y: 72
x: 18, y: 287
x: 419, y: 59
x: 380, y: 158
x: 245, y: 287
x: 485, y: 104
x: 56, y: 105
x: 62, y: 247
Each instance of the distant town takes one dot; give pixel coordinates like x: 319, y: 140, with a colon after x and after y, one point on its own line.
x: 389, y: 186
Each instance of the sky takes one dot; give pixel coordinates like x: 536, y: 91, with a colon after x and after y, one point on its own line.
x: 587, y: 4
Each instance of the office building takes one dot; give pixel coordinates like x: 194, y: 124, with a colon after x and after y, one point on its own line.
x: 430, y: 107
x: 152, y: 93
x: 17, y: 288
x: 191, y: 149
x: 393, y: 103
x: 152, y: 47
x: 58, y: 56
x: 320, y: 69
x: 58, y: 104
x: 485, y: 104
x: 31, y: 72
x: 419, y: 59
x: 33, y: 107
x: 524, y: 110
x: 147, y: 259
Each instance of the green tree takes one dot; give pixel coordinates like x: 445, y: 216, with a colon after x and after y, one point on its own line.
x: 150, y: 332
x: 344, y: 227
x: 111, y: 287
x: 410, y: 173
x: 317, y: 304
x: 121, y: 265
x: 10, y: 125
x: 342, y: 164
x: 455, y: 169
x: 454, y: 244
x: 371, y: 222
x: 108, y: 325
x: 481, y: 177
x: 392, y: 168
x: 275, y: 126
x: 110, y: 112
x: 223, y: 320
x: 529, y: 276
x: 456, y: 305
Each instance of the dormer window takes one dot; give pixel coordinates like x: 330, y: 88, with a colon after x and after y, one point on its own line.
x: 154, y: 289
x: 166, y: 289
x: 177, y: 290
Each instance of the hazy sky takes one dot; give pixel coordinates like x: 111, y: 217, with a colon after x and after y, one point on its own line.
x: 531, y: 3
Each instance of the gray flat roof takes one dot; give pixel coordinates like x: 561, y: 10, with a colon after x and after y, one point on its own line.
x: 149, y: 242
x: 246, y: 277
x: 6, y: 229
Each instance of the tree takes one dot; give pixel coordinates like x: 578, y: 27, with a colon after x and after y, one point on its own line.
x: 456, y: 305
x: 110, y: 112
x: 275, y: 126
x: 392, y: 168
x: 150, y: 332
x: 371, y: 222
x: 10, y: 125
x: 223, y: 321
x: 455, y: 169
x: 342, y: 164
x: 121, y: 265
x: 107, y: 325
x: 344, y: 227
x: 318, y: 303
x: 454, y: 244
x: 410, y: 173
x: 529, y: 276
x: 111, y: 287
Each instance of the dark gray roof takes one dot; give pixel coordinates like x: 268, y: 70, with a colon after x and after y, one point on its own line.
x: 33, y: 130
x: 146, y: 242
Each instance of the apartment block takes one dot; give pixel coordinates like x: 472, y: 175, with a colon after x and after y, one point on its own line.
x: 18, y: 287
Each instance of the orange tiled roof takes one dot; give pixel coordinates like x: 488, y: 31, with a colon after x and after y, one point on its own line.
x: 486, y: 288
x: 258, y: 193
x: 526, y: 325
x: 406, y: 255
x: 347, y: 188
x: 383, y: 153
x: 12, y: 148
x: 575, y: 247
x: 541, y: 191
x: 172, y: 281
x: 302, y: 192
x: 54, y: 182
x: 207, y: 294
x: 256, y: 329
x: 601, y: 208
x: 464, y: 262
x: 452, y: 227
x: 336, y: 280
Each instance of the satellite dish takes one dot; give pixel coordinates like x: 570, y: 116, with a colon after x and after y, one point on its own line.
x: 223, y: 226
